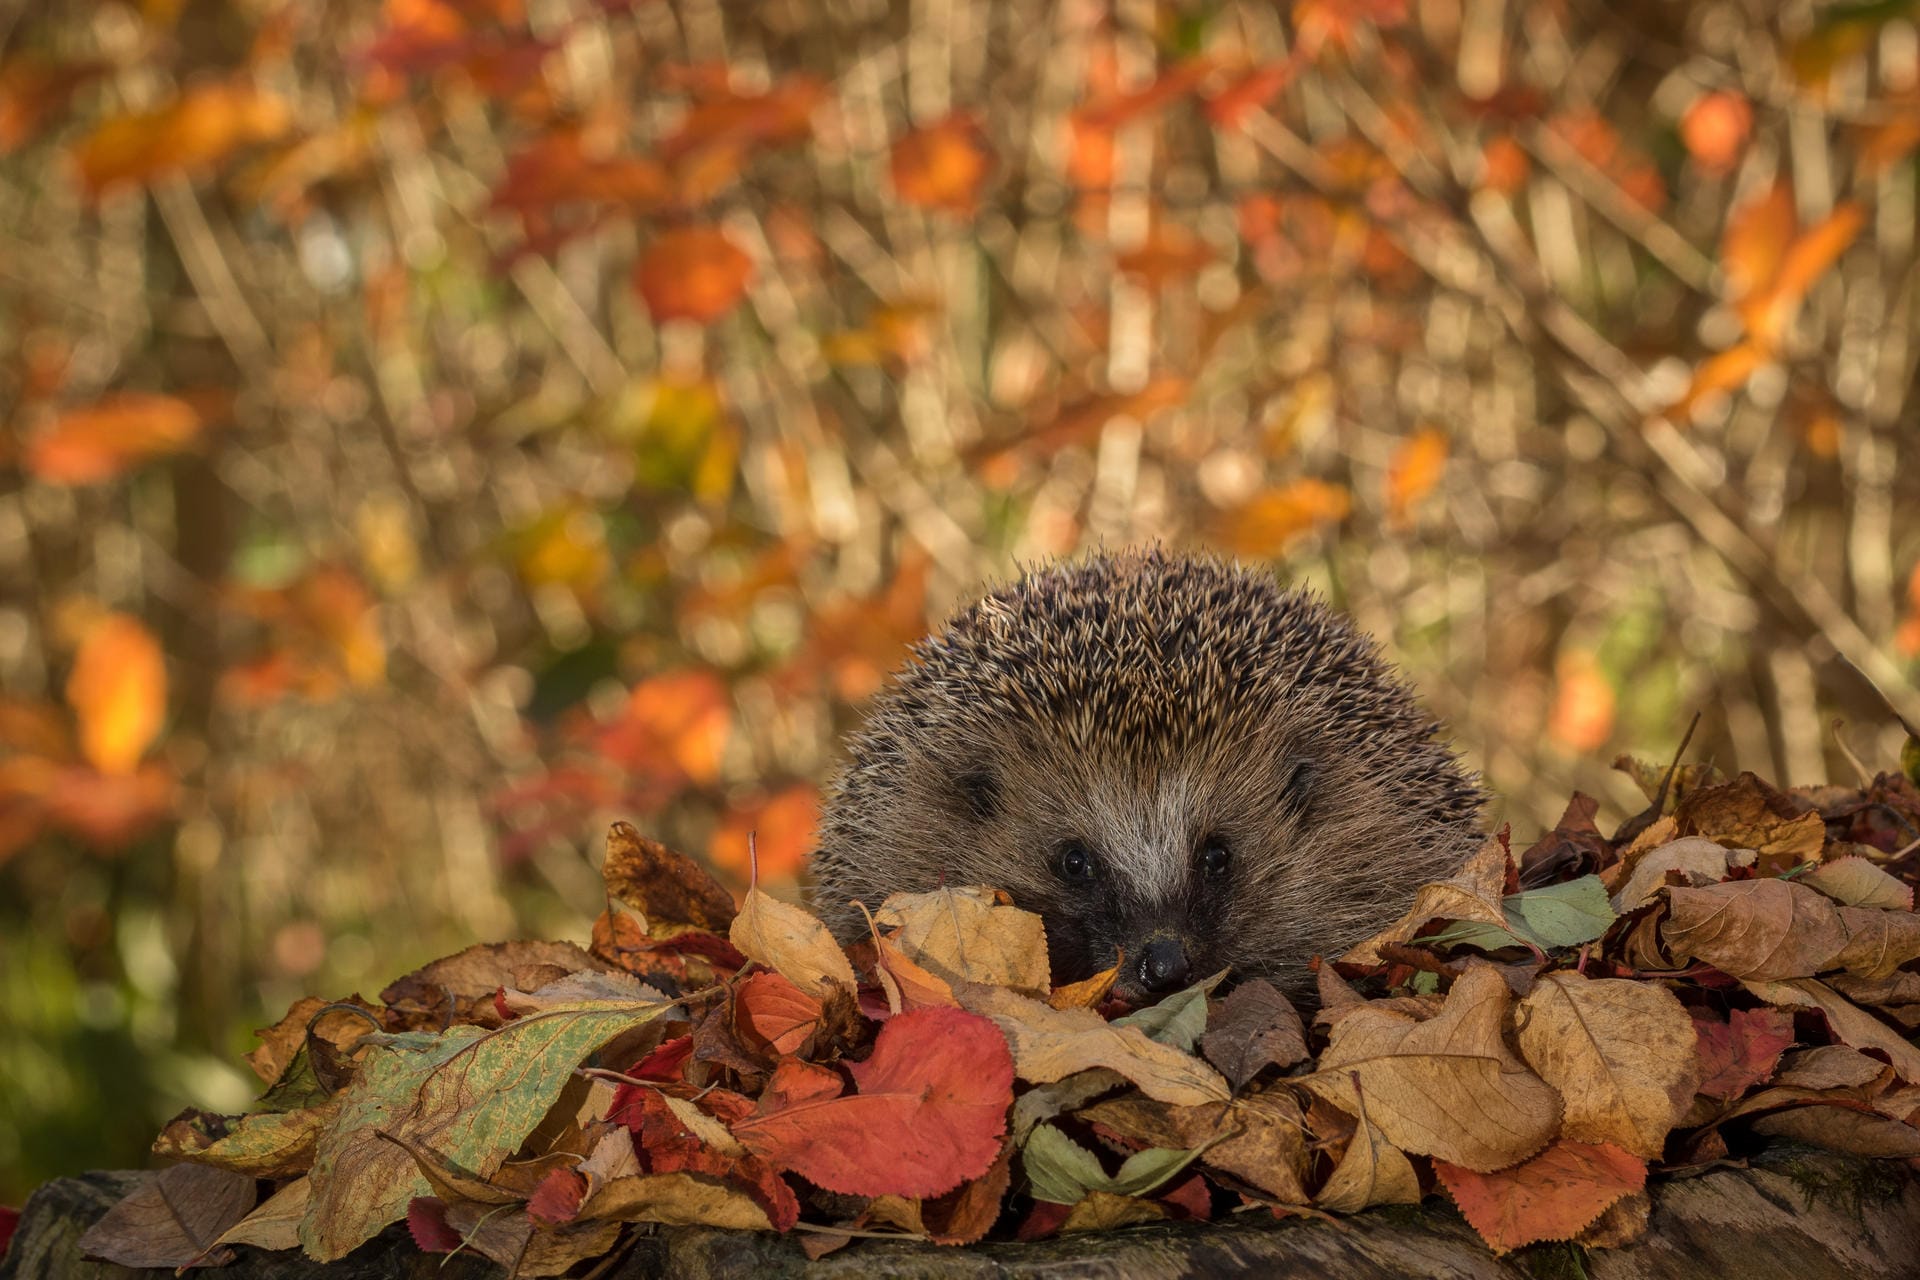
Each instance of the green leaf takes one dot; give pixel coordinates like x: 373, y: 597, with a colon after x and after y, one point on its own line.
x: 1180, y: 1019
x: 470, y: 1095
x: 1063, y: 1172
x: 1910, y: 759
x: 1561, y: 915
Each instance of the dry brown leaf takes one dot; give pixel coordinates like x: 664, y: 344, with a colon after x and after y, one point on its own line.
x: 1843, y: 1128
x: 276, y: 1223
x: 1851, y: 1024
x: 1448, y: 1087
x: 172, y: 1218
x: 1371, y: 1171
x: 1827, y: 1066
x: 1748, y: 814
x: 1253, y: 1027
x: 1269, y: 1151
x: 1699, y: 860
x: 1049, y: 1044
x: 1760, y: 929
x: 965, y: 935
x: 792, y: 943
x: 671, y: 891
x: 676, y: 1199
x: 1103, y: 1210
x: 1621, y: 1053
x: 1471, y: 893
x: 1878, y: 942
x: 1858, y: 883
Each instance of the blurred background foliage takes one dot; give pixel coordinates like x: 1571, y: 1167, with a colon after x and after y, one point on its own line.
x: 433, y: 428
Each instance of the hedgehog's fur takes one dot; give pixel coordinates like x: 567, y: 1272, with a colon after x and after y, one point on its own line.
x: 1145, y: 704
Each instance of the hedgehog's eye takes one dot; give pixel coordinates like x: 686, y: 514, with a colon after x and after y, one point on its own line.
x: 1215, y: 856
x: 1075, y: 860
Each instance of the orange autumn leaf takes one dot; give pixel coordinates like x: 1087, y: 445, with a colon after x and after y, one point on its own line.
x: 678, y: 722
x: 1554, y: 1196
x: 781, y: 828
x: 1504, y: 165
x: 942, y: 166
x: 98, y: 442
x: 1417, y: 465
x: 1170, y: 253
x: 1715, y: 129
x: 118, y: 692
x: 1583, y: 704
x: 1267, y: 524
x: 197, y: 129
x: 1907, y: 639
x: 1720, y: 374
x: 692, y: 273
x: 1770, y: 312
x: 1756, y: 236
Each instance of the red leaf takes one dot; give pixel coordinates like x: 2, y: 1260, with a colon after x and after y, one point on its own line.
x: 665, y: 1145
x: 1554, y: 1196
x: 668, y: 1062
x: 558, y: 1197
x: 427, y: 1223
x: 1742, y: 1051
x: 931, y: 1107
x: 770, y: 1013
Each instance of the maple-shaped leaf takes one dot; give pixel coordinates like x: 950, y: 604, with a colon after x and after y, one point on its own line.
x: 692, y: 273
x: 1554, y: 1196
x: 929, y: 1111
x: 1740, y: 1051
x: 942, y: 166
x: 118, y: 692
x: 100, y: 441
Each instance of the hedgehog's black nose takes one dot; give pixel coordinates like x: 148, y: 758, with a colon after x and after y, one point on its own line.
x: 1163, y: 966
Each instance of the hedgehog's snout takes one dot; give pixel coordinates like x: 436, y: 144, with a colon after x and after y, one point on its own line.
x: 1163, y: 965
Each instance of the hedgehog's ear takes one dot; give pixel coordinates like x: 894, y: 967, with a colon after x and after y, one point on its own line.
x: 978, y: 792
x: 1297, y: 778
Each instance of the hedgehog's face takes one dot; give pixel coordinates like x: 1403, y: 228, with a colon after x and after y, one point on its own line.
x: 1152, y: 867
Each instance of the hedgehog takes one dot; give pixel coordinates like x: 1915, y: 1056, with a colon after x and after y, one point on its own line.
x: 1181, y: 765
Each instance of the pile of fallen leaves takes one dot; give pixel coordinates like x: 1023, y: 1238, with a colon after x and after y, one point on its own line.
x: 1533, y: 1039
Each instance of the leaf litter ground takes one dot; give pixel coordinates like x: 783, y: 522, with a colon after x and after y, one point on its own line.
x: 1537, y: 1037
